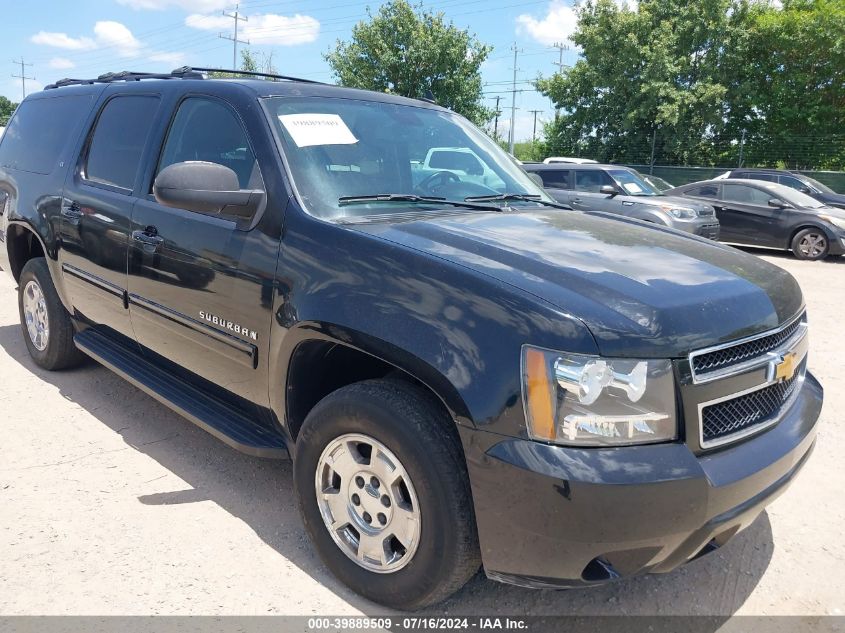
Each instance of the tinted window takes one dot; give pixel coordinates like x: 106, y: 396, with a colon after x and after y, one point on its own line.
x: 591, y: 180
x: 746, y: 195
x: 40, y: 131
x: 704, y: 191
x: 792, y: 182
x: 207, y: 130
x: 557, y: 179
x: 118, y: 141
x: 755, y: 176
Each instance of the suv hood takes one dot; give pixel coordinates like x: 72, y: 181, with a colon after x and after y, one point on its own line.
x: 642, y: 291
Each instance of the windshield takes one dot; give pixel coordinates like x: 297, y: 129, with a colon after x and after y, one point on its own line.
x: 342, y: 148
x: 818, y: 185
x: 632, y: 184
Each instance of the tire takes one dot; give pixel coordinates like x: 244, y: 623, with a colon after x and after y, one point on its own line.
x: 810, y: 244
x: 46, y: 325
x: 414, y: 432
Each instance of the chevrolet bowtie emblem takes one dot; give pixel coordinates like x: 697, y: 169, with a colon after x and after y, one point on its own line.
x: 785, y: 369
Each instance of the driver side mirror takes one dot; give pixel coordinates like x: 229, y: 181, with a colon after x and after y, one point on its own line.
x: 207, y: 188
x: 778, y: 203
x: 536, y: 179
x: 609, y: 190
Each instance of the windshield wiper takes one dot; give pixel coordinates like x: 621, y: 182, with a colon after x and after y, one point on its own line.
x: 524, y: 197
x: 410, y: 197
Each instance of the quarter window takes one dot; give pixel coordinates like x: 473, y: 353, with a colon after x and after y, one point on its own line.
x: 206, y: 130
x: 114, y: 154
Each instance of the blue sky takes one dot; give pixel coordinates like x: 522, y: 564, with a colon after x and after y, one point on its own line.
x: 84, y: 38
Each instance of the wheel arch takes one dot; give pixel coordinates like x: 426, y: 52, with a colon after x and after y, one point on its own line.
x: 318, y: 359
x: 22, y: 243
x: 807, y: 225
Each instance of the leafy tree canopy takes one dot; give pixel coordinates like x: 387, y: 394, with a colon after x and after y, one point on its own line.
x: 408, y: 51
x: 7, y: 108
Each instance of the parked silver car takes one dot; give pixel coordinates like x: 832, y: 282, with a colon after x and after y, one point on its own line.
x: 619, y: 190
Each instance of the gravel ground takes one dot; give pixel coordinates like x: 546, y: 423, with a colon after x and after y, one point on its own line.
x: 112, y: 504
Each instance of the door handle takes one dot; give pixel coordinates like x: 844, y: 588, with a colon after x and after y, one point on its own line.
x: 72, y: 211
x: 149, y: 239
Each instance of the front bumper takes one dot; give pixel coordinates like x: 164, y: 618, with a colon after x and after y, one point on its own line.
x: 558, y: 516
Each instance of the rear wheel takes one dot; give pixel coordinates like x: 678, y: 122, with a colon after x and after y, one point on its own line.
x: 810, y: 244
x: 46, y: 325
x: 384, y: 494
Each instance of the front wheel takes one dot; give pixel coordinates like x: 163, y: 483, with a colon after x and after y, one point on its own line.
x: 810, y: 244
x: 384, y: 494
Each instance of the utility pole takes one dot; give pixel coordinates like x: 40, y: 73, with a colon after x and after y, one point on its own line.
x: 741, y: 147
x: 560, y: 46
x: 534, y: 133
x: 651, y: 160
x: 237, y: 17
x: 22, y: 76
x: 496, y: 123
x: 516, y: 52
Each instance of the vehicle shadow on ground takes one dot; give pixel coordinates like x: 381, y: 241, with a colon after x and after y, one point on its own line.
x: 260, y: 493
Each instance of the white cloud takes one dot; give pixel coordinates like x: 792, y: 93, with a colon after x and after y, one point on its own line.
x: 116, y: 36
x: 195, y: 6
x: 61, y: 63
x: 171, y: 59
x: 63, y: 40
x: 268, y: 28
x: 559, y: 23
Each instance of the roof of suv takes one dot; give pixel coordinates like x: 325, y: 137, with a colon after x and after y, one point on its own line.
x: 258, y: 83
x: 560, y: 166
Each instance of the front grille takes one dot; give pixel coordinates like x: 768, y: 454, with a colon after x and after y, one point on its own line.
x: 735, y: 354
x: 710, y: 231
x: 733, y: 416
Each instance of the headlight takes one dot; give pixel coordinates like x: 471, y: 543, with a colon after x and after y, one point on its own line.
x: 590, y: 401
x: 837, y: 222
x: 682, y: 213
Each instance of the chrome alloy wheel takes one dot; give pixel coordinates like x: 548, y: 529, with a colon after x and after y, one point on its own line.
x: 368, y: 503
x: 812, y: 245
x: 35, y: 315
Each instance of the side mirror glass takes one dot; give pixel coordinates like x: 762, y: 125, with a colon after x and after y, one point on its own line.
x: 609, y: 190
x: 777, y: 203
x: 536, y: 178
x: 205, y: 187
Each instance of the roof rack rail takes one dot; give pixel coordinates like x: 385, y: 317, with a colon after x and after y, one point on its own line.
x: 248, y: 73
x: 185, y: 72
x: 125, y: 75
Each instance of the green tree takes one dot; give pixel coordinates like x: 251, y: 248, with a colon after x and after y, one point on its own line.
x: 249, y: 63
x: 7, y: 108
x: 408, y: 51
x: 656, y: 69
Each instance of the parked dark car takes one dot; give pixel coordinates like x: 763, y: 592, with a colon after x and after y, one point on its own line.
x: 622, y: 191
x: 759, y: 213
x: 462, y: 375
x: 794, y: 180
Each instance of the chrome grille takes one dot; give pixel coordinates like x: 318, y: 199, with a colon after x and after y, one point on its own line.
x: 735, y: 354
x: 747, y: 411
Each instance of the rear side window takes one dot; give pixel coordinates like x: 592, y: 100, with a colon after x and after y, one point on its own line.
x: 755, y: 176
x: 791, y: 181
x: 121, y: 132
x: 746, y: 195
x: 704, y: 191
x: 591, y: 180
x: 40, y: 131
x: 206, y: 130
x: 555, y: 179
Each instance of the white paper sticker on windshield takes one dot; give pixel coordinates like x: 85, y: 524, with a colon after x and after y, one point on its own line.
x: 632, y: 187
x: 317, y: 129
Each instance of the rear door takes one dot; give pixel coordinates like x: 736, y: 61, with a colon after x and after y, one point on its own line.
x: 201, y: 286
x: 96, y: 207
x: 746, y: 216
x: 587, y: 196
x: 558, y: 182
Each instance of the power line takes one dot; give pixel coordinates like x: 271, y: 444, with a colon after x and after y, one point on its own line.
x: 22, y: 76
x: 235, y: 41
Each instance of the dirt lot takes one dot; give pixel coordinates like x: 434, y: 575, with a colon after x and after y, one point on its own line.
x: 111, y: 504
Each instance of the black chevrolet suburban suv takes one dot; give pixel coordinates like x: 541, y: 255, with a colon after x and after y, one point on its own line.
x: 463, y: 374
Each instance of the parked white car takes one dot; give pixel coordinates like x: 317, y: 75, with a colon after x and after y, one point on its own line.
x: 568, y: 159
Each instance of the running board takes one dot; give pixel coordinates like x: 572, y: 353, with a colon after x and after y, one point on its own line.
x: 209, y: 413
